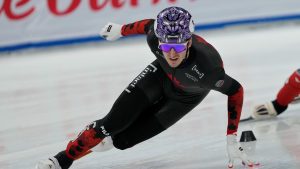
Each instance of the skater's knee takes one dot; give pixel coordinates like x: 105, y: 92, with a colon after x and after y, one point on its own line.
x: 105, y: 145
x: 116, y: 141
x: 121, y: 144
x: 135, y: 135
x: 100, y: 128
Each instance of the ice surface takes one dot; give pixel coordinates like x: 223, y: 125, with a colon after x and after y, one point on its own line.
x: 47, y: 97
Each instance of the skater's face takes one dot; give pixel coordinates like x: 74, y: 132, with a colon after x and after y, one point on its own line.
x: 175, y: 53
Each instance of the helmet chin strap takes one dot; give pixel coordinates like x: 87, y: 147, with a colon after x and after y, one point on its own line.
x: 186, y: 55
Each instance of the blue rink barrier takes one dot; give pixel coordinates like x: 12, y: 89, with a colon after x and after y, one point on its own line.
x: 211, y: 26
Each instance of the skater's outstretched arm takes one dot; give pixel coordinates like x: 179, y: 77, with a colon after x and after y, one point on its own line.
x: 233, y: 89
x: 113, y: 31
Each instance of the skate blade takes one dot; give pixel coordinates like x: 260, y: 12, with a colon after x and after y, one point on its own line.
x: 250, y: 118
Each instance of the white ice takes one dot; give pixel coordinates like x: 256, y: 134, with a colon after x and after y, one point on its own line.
x: 48, y: 96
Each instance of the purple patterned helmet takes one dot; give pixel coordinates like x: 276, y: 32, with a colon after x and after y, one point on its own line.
x: 174, y: 25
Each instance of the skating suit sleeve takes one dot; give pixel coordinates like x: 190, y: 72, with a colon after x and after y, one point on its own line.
x: 218, y: 80
x: 138, y: 27
x: 234, y: 90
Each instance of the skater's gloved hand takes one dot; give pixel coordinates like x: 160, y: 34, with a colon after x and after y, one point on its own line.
x: 235, y: 151
x: 111, y: 31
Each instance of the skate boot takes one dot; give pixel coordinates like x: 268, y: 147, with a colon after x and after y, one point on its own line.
x: 50, y: 163
x: 59, y: 161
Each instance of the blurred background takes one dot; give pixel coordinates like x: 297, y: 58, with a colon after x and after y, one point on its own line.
x: 57, y: 74
x: 35, y: 23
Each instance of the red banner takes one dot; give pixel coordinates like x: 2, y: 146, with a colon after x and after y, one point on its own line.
x: 10, y: 8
